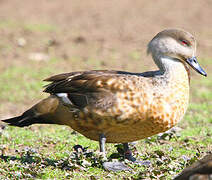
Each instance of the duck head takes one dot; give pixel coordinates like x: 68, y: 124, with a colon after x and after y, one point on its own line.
x: 175, y: 44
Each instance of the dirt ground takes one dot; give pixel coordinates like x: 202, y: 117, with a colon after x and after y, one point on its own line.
x: 101, y: 30
x: 73, y: 35
x: 123, y: 24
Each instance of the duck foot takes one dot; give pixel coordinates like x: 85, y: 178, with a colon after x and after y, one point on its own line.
x: 116, y: 166
x: 111, y: 166
x: 128, y: 155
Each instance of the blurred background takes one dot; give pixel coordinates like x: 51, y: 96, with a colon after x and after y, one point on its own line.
x: 44, y: 37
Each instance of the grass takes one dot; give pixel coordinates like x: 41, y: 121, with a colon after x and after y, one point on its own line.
x: 47, y: 151
x: 12, y: 90
x: 33, y: 27
x: 39, y: 27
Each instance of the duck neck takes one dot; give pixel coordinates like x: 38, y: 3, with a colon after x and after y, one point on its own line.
x: 172, y: 68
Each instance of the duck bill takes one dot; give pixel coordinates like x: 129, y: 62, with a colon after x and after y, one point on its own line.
x: 195, y: 65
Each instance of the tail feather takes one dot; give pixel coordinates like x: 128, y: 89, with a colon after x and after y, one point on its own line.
x: 19, y: 121
x: 41, y: 113
x: 26, y: 119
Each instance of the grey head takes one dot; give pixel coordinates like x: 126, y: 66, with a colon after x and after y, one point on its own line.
x: 175, y: 44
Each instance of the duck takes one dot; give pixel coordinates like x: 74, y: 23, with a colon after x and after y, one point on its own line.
x: 111, y: 106
x: 201, y: 169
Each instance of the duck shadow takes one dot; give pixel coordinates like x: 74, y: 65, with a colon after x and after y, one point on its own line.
x: 73, y: 161
x: 31, y: 159
x: 68, y: 163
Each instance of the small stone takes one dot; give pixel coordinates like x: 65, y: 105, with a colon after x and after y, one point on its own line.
x: 21, y: 42
x: 53, y: 42
x: 185, y: 158
x: 170, y: 149
x: 115, y: 166
x: 86, y: 163
x: 38, y: 57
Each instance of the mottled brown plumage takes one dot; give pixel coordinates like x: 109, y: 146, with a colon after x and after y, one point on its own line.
x: 117, y: 104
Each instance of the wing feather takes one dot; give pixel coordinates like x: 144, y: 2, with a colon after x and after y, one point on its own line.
x: 83, y: 88
x: 78, y: 81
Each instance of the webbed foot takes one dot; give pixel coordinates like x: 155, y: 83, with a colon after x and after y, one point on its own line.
x: 119, y: 166
x: 128, y: 155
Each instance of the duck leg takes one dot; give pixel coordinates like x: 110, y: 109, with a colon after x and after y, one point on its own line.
x: 128, y: 153
x: 102, y: 141
x: 110, y: 166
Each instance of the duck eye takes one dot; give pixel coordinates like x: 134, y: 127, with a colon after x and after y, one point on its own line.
x: 184, y: 42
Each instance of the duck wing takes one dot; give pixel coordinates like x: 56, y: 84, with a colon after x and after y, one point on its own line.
x: 82, y: 88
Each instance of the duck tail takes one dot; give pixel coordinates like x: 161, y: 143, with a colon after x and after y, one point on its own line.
x: 26, y: 119
x: 38, y: 114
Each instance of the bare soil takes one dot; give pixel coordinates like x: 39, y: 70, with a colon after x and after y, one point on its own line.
x: 113, y: 33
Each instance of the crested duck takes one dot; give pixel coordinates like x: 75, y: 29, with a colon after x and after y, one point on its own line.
x: 120, y: 107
